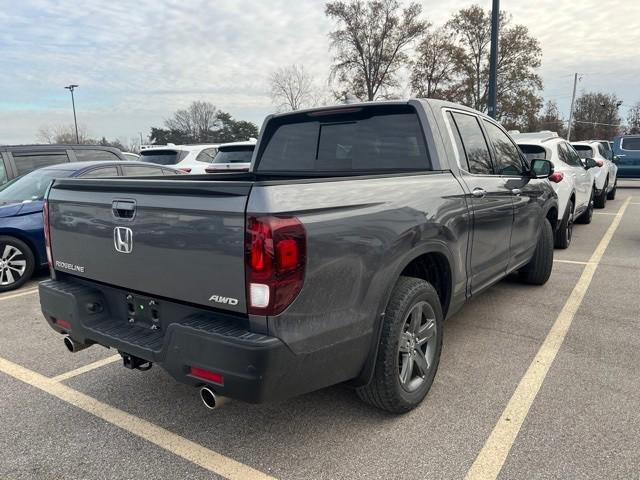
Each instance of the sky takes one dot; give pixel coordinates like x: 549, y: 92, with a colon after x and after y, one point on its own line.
x: 138, y: 61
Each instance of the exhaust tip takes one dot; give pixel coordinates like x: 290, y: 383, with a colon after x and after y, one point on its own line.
x: 69, y: 343
x: 208, y: 398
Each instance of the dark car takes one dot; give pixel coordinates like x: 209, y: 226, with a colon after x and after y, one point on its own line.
x: 336, y: 258
x: 17, y: 160
x: 22, y: 248
x: 626, y: 150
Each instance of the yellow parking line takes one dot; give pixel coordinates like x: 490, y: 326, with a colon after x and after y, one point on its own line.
x: 557, y: 260
x: 491, y: 458
x: 604, y: 213
x: 19, y: 294
x: 86, y: 368
x: 191, y: 451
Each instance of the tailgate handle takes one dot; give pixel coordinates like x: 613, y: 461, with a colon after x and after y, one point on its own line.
x: 125, y: 209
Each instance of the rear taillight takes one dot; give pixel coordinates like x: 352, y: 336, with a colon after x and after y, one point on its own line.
x: 276, y: 249
x: 556, y: 177
x: 185, y: 169
x: 599, y: 162
x: 47, y: 238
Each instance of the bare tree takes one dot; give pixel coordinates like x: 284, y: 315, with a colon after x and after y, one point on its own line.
x: 596, y: 116
x: 550, y: 119
x: 633, y: 119
x: 196, y: 121
x: 291, y: 88
x: 63, y: 134
x: 435, y: 68
x: 370, y: 43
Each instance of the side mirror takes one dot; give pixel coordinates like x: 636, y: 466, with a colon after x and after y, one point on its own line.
x: 541, y: 168
x: 589, y: 163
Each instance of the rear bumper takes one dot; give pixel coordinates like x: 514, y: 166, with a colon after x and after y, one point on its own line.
x: 255, y: 367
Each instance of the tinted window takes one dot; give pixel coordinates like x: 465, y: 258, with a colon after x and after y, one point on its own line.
x: 367, y: 139
x: 101, y: 172
x: 161, y: 157
x: 89, y: 155
x: 3, y: 172
x: 573, y: 158
x: 474, y: 143
x: 533, y: 151
x: 458, y: 141
x: 26, y: 163
x: 206, y: 155
x: 31, y: 186
x: 240, y: 154
x: 508, y: 160
x: 630, y: 143
x: 584, y: 151
x: 602, y: 151
x: 141, y: 171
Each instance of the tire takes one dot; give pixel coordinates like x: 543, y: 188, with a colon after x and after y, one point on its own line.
x: 16, y: 263
x: 413, y: 315
x: 586, y: 216
x: 601, y: 200
x: 612, y: 194
x: 564, y: 233
x: 538, y: 270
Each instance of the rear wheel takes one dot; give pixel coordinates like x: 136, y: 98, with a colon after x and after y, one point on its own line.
x: 587, y: 215
x: 565, y: 230
x: 16, y: 263
x: 601, y: 199
x: 538, y: 270
x: 612, y: 194
x: 409, y: 350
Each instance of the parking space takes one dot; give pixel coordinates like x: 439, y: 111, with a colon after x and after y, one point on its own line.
x: 103, y: 421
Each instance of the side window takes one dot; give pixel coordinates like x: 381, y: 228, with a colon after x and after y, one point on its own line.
x: 474, y: 144
x: 572, y: 155
x: 88, y: 155
x: 602, y: 151
x: 206, y: 155
x: 508, y: 160
x: 28, y: 162
x: 141, y: 171
x: 3, y: 172
x: 101, y: 172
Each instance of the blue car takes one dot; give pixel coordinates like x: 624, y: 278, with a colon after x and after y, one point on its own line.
x: 22, y: 248
x: 626, y: 151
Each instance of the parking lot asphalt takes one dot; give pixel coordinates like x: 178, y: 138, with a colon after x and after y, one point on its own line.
x: 104, y: 421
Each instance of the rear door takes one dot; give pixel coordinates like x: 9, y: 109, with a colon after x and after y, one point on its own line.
x: 581, y: 175
x: 490, y: 199
x: 162, y: 238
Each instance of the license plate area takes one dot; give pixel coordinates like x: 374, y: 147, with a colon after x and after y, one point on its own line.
x: 142, y: 311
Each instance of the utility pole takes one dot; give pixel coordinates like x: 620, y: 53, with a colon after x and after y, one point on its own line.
x: 73, y: 104
x: 493, y: 60
x: 573, y: 99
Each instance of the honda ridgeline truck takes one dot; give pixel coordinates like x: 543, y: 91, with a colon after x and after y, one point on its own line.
x: 358, y: 229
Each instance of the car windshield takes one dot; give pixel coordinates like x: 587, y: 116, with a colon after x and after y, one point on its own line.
x: 585, y: 151
x: 31, y: 186
x: 160, y: 157
x: 631, y: 143
x: 533, y: 151
x: 239, y: 154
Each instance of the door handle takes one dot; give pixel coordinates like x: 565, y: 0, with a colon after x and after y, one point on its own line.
x: 516, y: 191
x: 479, y: 192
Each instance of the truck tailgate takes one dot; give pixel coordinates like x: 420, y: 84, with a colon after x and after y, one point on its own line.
x: 165, y: 238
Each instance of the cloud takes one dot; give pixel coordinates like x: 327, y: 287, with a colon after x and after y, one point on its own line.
x: 138, y: 61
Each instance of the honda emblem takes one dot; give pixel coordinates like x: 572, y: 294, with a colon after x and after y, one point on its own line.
x: 123, y: 239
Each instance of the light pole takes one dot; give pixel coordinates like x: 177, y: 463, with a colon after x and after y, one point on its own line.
x: 73, y: 104
x: 493, y: 60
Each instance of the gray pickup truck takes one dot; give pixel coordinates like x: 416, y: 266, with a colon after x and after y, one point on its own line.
x: 336, y: 258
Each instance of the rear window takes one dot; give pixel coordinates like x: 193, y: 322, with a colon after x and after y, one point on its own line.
x: 584, y: 151
x: 365, y: 139
x: 160, y: 157
x: 239, y: 154
x: 533, y: 151
x: 90, y: 155
x: 631, y: 143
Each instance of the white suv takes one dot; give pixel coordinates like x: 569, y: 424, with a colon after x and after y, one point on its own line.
x: 572, y: 181
x: 606, y: 173
x: 231, y: 157
x: 188, y: 158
